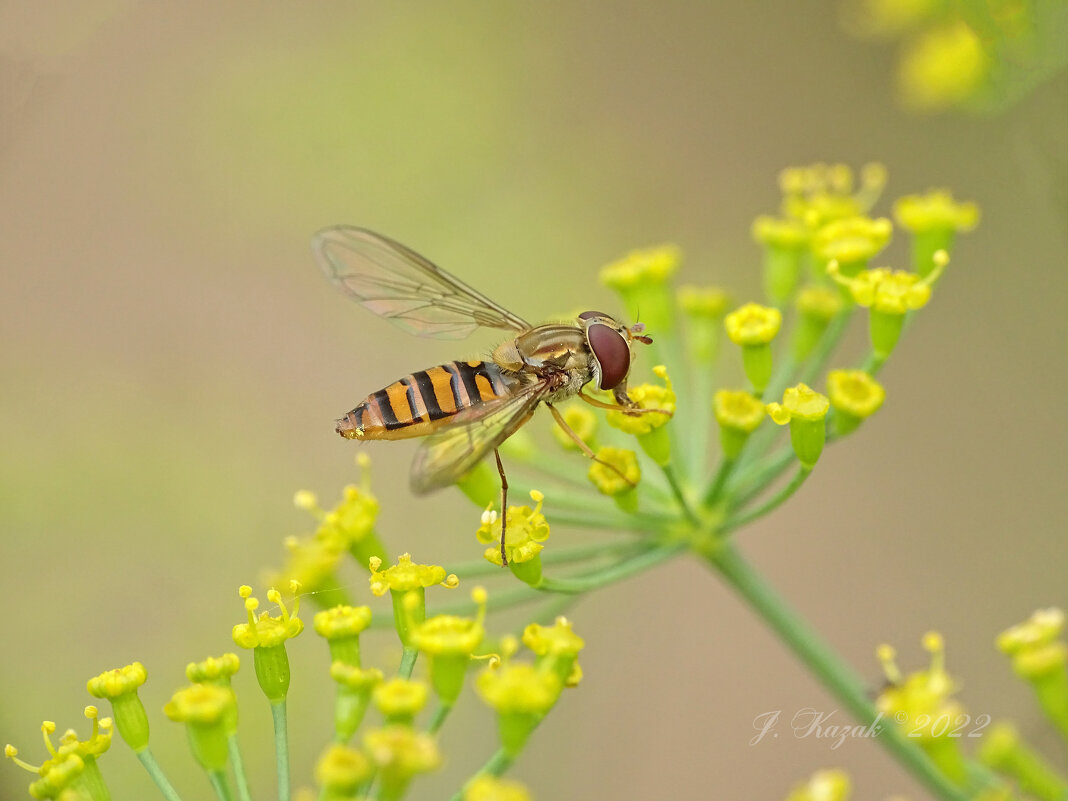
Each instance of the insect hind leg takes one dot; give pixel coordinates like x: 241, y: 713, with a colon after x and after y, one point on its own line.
x: 504, y: 505
x: 560, y: 421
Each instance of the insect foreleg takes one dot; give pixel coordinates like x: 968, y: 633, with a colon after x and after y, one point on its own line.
x: 582, y: 445
x: 615, y: 407
x: 504, y: 506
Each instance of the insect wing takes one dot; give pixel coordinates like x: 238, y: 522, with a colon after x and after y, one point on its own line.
x: 397, y: 283
x: 446, y: 455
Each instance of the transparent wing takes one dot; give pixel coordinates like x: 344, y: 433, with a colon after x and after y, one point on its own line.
x: 400, y: 285
x: 446, y: 455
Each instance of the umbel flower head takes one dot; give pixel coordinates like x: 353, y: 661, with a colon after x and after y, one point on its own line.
x: 208, y: 711
x: 266, y: 635
x: 449, y: 641
x: 557, y: 648
x: 522, y: 695
x: 753, y: 327
x: 1040, y: 657
x: 642, y: 280
x: 933, y: 220
x: 820, y: 193
x: 649, y: 428
x: 405, y: 580
x: 739, y: 414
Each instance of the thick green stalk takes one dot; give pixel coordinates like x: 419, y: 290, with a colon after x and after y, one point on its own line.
x: 835, y: 675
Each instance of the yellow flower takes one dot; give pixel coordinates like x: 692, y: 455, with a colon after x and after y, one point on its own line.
x: 527, y: 530
x: 342, y: 621
x: 819, y: 193
x: 799, y: 403
x: 753, y: 324
x: 646, y: 396
x: 935, y: 211
x: 400, y: 753
x: 400, y: 700
x: 1039, y: 656
x: 885, y: 290
x: 208, y: 711
x: 804, y: 409
x: 610, y: 482
x: 217, y: 670
x: 943, y: 66
x: 852, y: 241
x: 781, y: 233
x: 342, y: 769
x: 818, y: 302
x: 738, y: 410
x: 703, y: 301
x: 854, y: 393
x: 642, y: 267
x: 556, y: 648
x: 354, y: 677
x: 119, y: 686
x: 407, y: 575
x: 922, y: 702
x: 449, y: 635
x: 823, y: 785
x: 267, y: 631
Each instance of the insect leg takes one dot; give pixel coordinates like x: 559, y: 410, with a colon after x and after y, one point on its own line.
x: 615, y: 407
x: 504, y: 506
x: 582, y: 445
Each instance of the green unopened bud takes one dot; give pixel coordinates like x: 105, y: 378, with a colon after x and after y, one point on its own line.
x: 120, y: 687
x: 205, y: 709
x: 804, y: 409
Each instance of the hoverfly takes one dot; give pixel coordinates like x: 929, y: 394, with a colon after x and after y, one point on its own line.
x: 466, y: 409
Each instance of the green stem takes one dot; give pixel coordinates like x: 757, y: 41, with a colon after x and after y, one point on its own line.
x: 760, y: 475
x: 497, y: 602
x: 281, y: 747
x: 148, y: 761
x: 407, y: 663
x: 495, y: 766
x: 817, y: 360
x: 440, y: 714
x: 726, y: 467
x: 836, y: 676
x: 616, y: 572
x: 873, y: 364
x: 680, y: 496
x: 218, y: 783
x: 240, y: 778
x: 772, y: 503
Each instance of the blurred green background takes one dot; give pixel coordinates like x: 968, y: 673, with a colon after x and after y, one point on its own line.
x: 173, y: 360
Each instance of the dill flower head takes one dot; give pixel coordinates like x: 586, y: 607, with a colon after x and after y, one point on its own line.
x: 823, y: 785
x: 267, y: 630
x: 491, y: 788
x: 853, y: 240
x: 646, y: 396
x: 854, y: 392
x: 214, y: 669
x: 935, y: 211
x: 943, y: 66
x: 616, y: 473
x: 342, y: 769
x: 527, y: 530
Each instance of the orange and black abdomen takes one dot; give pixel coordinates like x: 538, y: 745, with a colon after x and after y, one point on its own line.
x: 422, y: 401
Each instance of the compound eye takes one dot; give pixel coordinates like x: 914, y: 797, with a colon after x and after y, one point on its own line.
x: 612, y: 353
x: 589, y: 315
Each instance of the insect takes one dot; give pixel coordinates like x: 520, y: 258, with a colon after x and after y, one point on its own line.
x: 466, y: 409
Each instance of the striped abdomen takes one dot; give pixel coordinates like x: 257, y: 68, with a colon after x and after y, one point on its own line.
x: 417, y: 404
